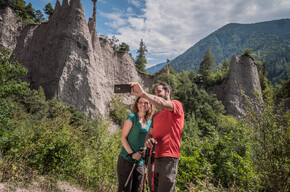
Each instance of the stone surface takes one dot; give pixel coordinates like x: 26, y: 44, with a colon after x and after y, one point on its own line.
x: 242, y: 81
x: 10, y: 28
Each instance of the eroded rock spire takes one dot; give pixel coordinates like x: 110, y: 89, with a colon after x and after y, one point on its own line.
x: 92, y: 21
x: 95, y: 10
x: 92, y: 24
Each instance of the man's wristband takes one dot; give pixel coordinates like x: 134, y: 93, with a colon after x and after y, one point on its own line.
x: 130, y: 154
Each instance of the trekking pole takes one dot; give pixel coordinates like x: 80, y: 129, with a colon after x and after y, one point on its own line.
x: 147, y: 155
x: 134, y: 165
x: 153, y: 167
x: 129, y: 177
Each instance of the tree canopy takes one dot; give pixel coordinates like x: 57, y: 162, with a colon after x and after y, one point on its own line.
x: 124, y: 47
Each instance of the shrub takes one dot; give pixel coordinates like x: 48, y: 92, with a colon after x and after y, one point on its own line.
x: 10, y: 72
x: 84, y: 154
x: 118, y: 111
x: 269, y: 134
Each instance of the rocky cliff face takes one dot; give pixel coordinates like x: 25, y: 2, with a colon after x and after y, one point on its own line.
x: 10, y: 28
x: 66, y: 58
x: 241, y: 83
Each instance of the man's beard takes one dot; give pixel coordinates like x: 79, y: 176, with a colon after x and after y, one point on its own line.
x: 164, y: 97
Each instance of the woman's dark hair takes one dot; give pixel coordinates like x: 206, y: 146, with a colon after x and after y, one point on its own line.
x: 148, y: 114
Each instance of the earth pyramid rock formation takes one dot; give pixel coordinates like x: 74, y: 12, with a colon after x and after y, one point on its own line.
x: 68, y: 60
x: 241, y: 83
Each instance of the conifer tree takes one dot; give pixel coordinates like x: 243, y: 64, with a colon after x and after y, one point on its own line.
x: 226, y: 64
x: 141, y: 60
x: 48, y: 9
x: 30, y: 11
x: 207, y: 64
x: 39, y: 17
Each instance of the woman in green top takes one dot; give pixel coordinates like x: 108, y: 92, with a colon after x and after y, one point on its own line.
x: 133, y: 135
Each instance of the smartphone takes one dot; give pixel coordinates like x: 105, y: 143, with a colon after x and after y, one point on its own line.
x: 122, y: 88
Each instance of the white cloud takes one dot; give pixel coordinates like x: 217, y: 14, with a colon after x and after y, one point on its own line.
x: 130, y: 11
x: 117, y: 19
x: 136, y: 23
x: 136, y: 3
x: 168, y: 28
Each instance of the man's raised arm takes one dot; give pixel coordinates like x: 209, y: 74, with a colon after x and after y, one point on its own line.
x: 155, y: 100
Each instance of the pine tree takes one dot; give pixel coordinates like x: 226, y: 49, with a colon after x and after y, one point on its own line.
x: 207, y: 64
x: 20, y: 9
x: 48, y: 9
x: 39, y: 17
x: 226, y: 64
x: 141, y: 60
x: 30, y: 11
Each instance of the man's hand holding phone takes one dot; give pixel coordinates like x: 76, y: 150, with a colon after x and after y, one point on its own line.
x: 136, y: 89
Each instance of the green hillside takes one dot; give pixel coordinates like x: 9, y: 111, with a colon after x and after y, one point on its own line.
x: 269, y: 41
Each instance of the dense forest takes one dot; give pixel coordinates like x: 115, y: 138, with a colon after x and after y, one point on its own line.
x: 43, y: 141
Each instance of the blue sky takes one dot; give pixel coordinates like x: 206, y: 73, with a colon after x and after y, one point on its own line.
x: 170, y: 27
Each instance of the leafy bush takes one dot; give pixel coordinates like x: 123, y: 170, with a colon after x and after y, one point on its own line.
x: 269, y: 134
x: 53, y: 146
x: 206, y: 186
x: 10, y: 73
x: 222, y: 158
x: 118, y: 111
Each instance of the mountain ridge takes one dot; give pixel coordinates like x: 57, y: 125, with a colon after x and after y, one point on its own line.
x: 155, y: 68
x: 269, y: 41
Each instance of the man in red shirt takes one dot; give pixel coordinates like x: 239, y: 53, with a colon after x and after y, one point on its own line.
x: 165, y: 133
